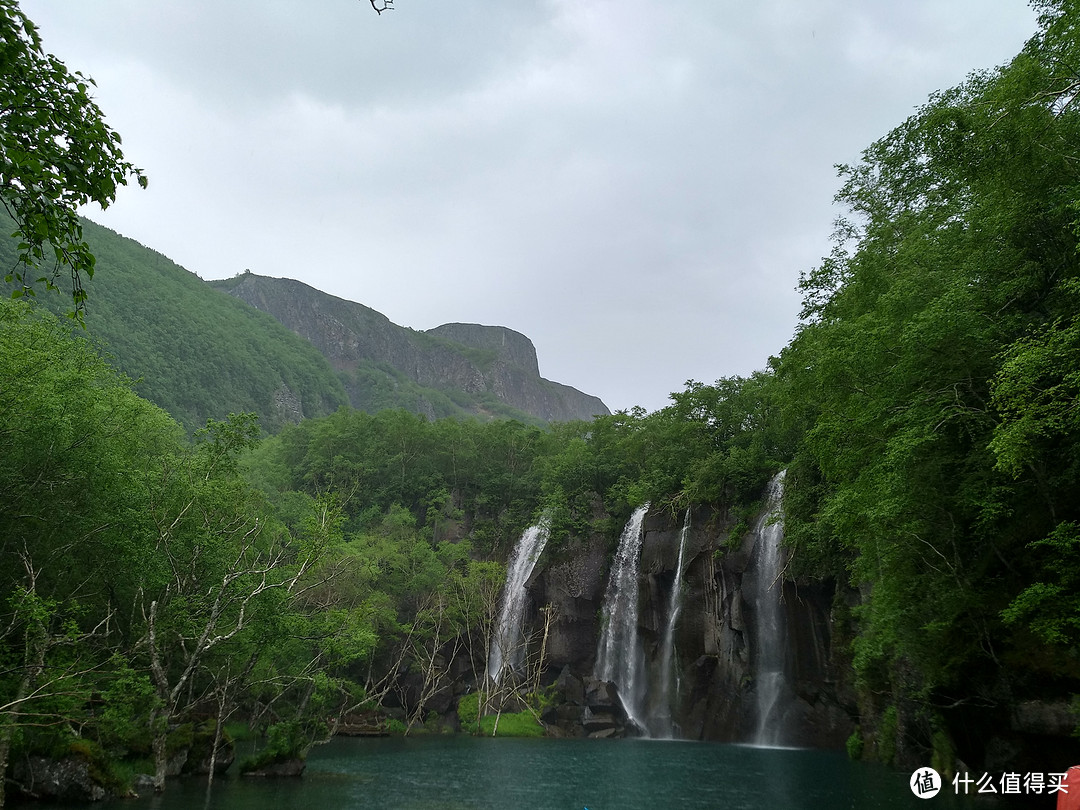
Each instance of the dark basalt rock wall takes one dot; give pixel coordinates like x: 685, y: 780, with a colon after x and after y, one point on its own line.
x: 713, y: 639
x: 573, y: 582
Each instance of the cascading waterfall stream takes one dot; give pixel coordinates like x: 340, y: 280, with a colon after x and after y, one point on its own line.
x: 619, y: 657
x: 508, y: 650
x: 664, y: 725
x: 769, y: 622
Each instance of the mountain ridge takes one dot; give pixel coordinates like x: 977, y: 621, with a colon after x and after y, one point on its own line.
x: 476, y: 359
x: 201, y: 353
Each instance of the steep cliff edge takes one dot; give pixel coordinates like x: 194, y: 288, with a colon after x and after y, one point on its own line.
x: 474, y: 367
x: 715, y: 644
x: 508, y: 345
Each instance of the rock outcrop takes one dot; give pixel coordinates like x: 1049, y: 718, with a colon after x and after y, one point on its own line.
x: 714, y: 643
x: 485, y: 363
x: 68, y: 779
x: 507, y: 345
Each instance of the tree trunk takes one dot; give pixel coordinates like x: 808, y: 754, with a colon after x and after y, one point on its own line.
x: 159, y: 727
x: 214, y: 750
x: 35, y: 645
x: 7, y: 727
x: 7, y: 730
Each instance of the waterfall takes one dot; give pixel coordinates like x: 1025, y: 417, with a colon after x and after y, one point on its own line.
x: 769, y: 625
x: 669, y: 696
x: 619, y: 657
x: 509, y: 647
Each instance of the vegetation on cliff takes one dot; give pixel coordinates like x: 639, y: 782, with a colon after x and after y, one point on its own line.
x: 201, y: 354
x: 451, y: 370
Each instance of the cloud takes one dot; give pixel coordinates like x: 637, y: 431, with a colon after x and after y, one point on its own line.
x: 635, y: 185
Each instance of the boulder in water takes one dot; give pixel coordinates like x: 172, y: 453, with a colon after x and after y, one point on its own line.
x: 285, y: 768
x: 66, y: 779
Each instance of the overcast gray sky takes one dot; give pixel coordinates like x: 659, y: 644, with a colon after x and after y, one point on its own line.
x: 635, y: 185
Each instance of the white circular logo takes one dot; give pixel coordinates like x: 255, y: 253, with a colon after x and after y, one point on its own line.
x: 925, y: 783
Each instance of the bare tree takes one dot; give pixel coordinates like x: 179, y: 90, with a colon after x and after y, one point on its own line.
x: 42, y: 628
x: 227, y: 611
x: 525, y: 682
x: 478, y: 594
x: 436, y: 641
x: 220, y: 563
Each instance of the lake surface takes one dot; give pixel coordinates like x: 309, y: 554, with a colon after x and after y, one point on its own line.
x: 448, y: 773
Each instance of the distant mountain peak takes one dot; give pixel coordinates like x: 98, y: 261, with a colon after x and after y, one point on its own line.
x: 476, y: 366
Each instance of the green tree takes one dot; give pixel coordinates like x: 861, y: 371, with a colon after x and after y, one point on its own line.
x: 935, y: 375
x: 216, y: 562
x: 56, y: 154
x: 75, y: 447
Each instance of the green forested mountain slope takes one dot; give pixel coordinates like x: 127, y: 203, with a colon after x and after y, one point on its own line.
x: 193, y: 351
x: 200, y: 352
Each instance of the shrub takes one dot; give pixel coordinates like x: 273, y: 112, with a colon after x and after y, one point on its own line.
x: 468, y: 710
x: 886, y: 747
x: 855, y: 744
x: 284, y: 741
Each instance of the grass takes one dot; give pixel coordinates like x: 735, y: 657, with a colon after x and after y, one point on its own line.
x: 512, y: 724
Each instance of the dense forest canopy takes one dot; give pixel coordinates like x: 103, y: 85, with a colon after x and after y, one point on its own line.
x: 935, y: 377
x: 926, y: 412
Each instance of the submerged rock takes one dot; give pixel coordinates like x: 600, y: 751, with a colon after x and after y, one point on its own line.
x: 286, y: 768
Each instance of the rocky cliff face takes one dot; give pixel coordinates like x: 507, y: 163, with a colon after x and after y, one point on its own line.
x: 506, y: 344
x: 480, y: 361
x: 715, y: 644
x: 718, y: 644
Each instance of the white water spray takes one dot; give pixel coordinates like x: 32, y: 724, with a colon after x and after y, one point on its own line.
x: 508, y: 650
x: 619, y: 657
x: 769, y: 624
x: 669, y: 677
